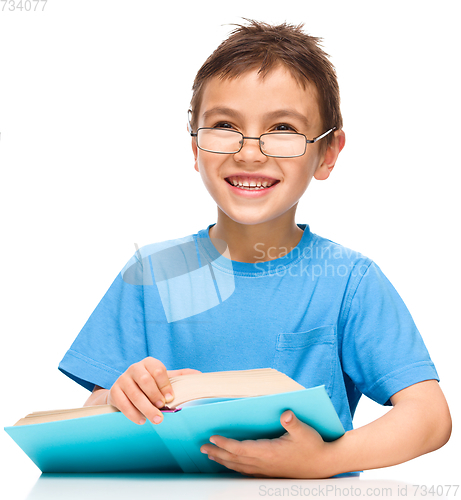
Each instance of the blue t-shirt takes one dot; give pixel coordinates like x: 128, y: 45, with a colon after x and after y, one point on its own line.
x: 322, y: 314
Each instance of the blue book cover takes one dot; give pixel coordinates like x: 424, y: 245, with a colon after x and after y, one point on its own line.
x: 112, y: 443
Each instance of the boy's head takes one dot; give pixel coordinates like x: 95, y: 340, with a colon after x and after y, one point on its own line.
x: 264, y: 110
x: 264, y: 47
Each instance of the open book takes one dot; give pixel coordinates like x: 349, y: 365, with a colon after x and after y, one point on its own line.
x: 190, y: 390
x: 239, y: 405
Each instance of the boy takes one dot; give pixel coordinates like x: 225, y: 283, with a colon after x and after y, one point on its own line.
x: 258, y: 290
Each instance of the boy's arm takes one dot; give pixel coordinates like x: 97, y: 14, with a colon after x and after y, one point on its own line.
x: 418, y: 423
x: 98, y: 397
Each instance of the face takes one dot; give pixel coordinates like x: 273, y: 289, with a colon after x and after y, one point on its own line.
x: 253, y: 106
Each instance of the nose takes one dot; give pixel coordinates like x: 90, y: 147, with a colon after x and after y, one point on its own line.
x: 250, y: 151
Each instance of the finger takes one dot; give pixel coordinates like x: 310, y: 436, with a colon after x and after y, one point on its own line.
x: 119, y: 399
x: 245, y: 469
x: 140, y: 401
x: 242, y: 455
x: 158, y: 371
x: 215, y: 453
x: 146, y: 381
x: 247, y: 448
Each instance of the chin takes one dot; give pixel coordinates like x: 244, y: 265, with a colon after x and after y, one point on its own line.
x: 248, y: 219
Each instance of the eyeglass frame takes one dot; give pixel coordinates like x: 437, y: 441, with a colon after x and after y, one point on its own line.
x: 242, y: 142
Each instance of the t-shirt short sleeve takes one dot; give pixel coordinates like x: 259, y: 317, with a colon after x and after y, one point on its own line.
x: 382, y: 349
x: 112, y: 339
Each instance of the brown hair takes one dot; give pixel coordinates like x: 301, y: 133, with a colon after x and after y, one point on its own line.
x: 265, y: 46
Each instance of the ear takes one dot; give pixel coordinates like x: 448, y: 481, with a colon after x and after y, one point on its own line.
x: 330, y: 156
x: 194, y: 149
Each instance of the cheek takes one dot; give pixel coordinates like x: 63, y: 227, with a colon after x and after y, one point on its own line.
x: 208, y: 166
x: 298, y: 173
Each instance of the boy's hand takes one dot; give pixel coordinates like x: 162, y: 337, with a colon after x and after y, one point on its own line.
x: 143, y: 389
x: 410, y: 429
x: 300, y: 453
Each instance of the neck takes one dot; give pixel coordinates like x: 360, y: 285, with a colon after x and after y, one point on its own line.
x: 256, y: 242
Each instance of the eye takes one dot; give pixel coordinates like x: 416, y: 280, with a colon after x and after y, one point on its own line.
x: 283, y: 127
x: 223, y: 125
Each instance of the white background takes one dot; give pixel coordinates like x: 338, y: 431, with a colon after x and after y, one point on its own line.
x: 94, y: 157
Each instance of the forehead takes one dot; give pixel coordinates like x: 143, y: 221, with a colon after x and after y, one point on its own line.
x: 254, y: 96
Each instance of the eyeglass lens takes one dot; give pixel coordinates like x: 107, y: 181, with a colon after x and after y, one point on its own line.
x: 230, y: 141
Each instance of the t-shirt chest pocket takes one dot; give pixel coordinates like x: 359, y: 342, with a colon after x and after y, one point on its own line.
x: 308, y: 357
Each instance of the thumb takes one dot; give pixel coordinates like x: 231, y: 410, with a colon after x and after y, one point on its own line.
x: 296, y: 428
x: 290, y: 422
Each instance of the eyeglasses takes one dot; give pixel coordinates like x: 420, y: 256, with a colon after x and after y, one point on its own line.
x: 273, y: 144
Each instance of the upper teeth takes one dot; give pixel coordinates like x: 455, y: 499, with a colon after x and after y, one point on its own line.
x: 251, y: 184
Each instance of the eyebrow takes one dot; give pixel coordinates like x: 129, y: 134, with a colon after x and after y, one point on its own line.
x: 281, y: 113
x: 274, y: 115
x: 221, y: 111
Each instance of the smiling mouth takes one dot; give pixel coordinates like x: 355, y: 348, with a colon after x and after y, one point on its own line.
x: 251, y: 184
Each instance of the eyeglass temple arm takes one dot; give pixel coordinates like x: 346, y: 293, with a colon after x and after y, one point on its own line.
x: 189, y: 126
x: 322, y: 136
